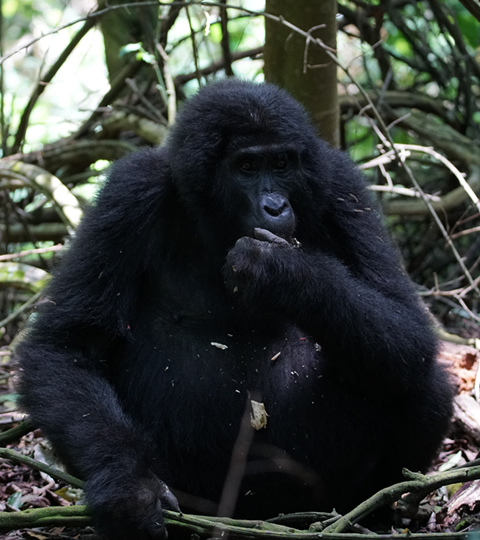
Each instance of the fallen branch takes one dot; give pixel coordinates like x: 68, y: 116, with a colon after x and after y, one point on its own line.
x: 72, y: 516
x: 45, y: 517
x: 13, y: 434
x: 417, y: 486
x: 39, y: 466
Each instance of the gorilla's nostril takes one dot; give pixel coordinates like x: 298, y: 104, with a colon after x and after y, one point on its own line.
x: 275, y: 212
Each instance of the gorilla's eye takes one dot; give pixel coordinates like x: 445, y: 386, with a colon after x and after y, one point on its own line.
x: 281, y: 164
x: 247, y: 165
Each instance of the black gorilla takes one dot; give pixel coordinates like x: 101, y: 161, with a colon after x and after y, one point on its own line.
x: 245, y: 258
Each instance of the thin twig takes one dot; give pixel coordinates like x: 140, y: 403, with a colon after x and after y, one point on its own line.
x: 21, y: 309
x: 400, y: 190
x: 407, y: 169
x: 439, y: 157
x: 460, y: 300
x: 44, y: 80
x: 3, y: 128
x: 131, y: 5
x: 238, y: 463
x: 20, y: 254
x: 169, y: 84
x: 194, y: 46
x: 465, y: 232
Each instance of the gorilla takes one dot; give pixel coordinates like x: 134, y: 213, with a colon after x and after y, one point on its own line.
x: 242, y: 261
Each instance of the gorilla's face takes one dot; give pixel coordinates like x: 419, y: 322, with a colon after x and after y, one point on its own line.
x: 246, y: 156
x: 266, y: 175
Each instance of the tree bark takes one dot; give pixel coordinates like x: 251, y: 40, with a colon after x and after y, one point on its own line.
x: 302, y: 68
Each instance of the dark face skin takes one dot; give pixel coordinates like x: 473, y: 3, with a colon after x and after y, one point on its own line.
x: 266, y: 175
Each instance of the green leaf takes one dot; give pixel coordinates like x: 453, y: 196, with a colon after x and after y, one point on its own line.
x: 469, y: 27
x: 15, y: 500
x: 146, y: 57
x: 8, y: 397
x: 130, y: 47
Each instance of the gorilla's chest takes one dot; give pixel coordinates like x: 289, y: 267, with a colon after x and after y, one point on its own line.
x: 200, y: 372
x: 189, y: 387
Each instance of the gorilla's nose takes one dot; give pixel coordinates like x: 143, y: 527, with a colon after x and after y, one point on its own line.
x: 275, y: 206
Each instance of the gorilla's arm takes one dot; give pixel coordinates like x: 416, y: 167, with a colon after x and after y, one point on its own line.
x: 360, y: 307
x: 66, y: 354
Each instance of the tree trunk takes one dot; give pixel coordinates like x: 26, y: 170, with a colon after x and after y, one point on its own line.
x: 304, y: 69
x: 124, y: 26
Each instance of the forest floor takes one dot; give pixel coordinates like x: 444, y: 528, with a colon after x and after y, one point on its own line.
x: 445, y: 510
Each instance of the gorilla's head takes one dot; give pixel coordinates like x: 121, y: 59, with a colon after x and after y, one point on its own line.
x: 248, y: 152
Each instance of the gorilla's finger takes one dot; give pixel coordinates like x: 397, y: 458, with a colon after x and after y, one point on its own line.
x: 267, y: 236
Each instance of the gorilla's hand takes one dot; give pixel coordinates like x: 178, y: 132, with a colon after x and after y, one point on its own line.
x: 257, y: 269
x: 129, y: 507
x: 267, y: 236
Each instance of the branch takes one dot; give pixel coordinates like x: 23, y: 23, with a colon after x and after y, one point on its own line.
x: 449, y: 201
x: 66, y: 204
x: 388, y: 141
x: 418, y: 485
x: 94, y: 15
x: 70, y: 152
x: 116, y: 86
x: 169, y: 85
x: 225, y: 42
x: 22, y: 276
x: 401, y: 99
x: 194, y: 46
x: 30, y: 302
x: 74, y: 516
x: 26, y: 253
x: 16, y: 457
x: 54, y: 232
x: 473, y: 6
x: 151, y: 131
x: 217, y: 66
x: 43, y: 82
x: 446, y: 203
x: 13, y: 434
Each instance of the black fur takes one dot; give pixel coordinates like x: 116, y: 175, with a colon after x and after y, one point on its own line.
x: 119, y: 369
